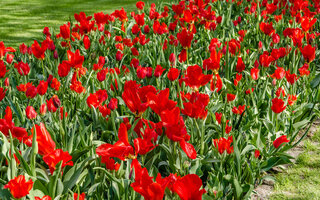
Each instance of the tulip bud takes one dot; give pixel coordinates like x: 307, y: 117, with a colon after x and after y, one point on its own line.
x: 55, y: 54
x: 56, y: 101
x: 31, y: 92
x: 260, y: 45
x: 6, y: 82
x: 113, y: 104
x: 31, y: 113
x: 43, y: 109
x: 172, y: 58
x: 274, y: 82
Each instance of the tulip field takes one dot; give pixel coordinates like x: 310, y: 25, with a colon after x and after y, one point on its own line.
x: 188, y: 100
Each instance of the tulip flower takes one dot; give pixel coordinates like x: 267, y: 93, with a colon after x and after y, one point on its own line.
x: 19, y: 187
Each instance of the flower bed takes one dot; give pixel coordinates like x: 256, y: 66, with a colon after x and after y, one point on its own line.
x: 190, y: 100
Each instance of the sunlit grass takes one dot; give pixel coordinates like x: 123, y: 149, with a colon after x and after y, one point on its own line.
x: 301, y: 181
x: 24, y: 20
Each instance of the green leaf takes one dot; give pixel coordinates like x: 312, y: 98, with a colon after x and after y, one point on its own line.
x: 315, y: 82
x: 237, y: 188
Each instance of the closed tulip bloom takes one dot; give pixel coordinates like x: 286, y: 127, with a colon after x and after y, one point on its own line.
x: 86, y: 42
x: 31, y: 92
x: 19, y: 187
x: 280, y: 140
x: 31, y: 113
x: 43, y: 109
x: 173, y: 74
x: 254, y: 73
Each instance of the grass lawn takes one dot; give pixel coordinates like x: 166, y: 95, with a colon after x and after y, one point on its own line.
x: 23, y: 20
x: 301, y: 181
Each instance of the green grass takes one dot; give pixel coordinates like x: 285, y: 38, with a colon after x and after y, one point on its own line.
x: 23, y: 20
x: 301, y: 181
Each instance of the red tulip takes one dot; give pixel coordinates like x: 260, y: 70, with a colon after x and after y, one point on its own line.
x: 158, y: 71
x: 240, y: 65
x: 309, y: 53
x: 64, y: 31
x: 2, y: 93
x: 213, y: 63
x: 110, y: 163
x: 160, y: 102
x: 304, y: 70
x: 188, y: 149
x: 173, y: 74
x: 280, y: 140
x: 223, y: 145
x: 172, y: 58
x: 86, y: 42
x: 196, y: 107
x: 279, y: 73
x: 75, y: 59
x: 231, y: 97
x: 291, y: 78
x: 267, y: 28
x: 6, y: 83
x: 96, y: 99
x: 23, y: 48
x: 254, y: 73
x: 101, y: 20
x: 135, y: 97
x: 19, y: 187
x: 64, y: 69
x: 113, y: 104
x: 291, y: 99
x: 140, y: 5
x: 43, y: 198
x: 23, y: 68
x: 45, y: 143
x: 121, y: 149
x: 9, y: 58
x: 31, y: 113
x: 42, y: 88
x: 256, y: 153
x: 183, y: 56
x: 31, y: 92
x: 188, y: 187
x: 39, y: 51
x: 43, y: 109
x: 216, y: 83
x: 3, y: 69
x: 53, y: 158
x: 82, y: 196
x: 278, y: 105
x: 119, y: 55
x: 185, y: 37
x: 194, y: 77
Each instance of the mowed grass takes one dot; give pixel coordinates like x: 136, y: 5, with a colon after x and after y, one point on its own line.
x: 301, y: 181
x: 23, y: 20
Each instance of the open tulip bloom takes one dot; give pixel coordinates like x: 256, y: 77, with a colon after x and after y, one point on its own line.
x: 185, y: 100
